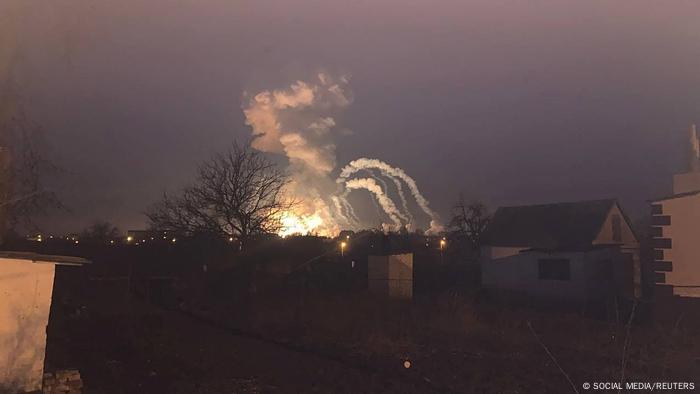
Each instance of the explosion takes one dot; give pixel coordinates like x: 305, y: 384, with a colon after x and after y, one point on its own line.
x: 299, y: 123
x: 293, y: 224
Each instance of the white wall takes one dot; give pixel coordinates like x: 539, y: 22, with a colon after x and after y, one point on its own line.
x: 684, y: 183
x: 521, y: 273
x: 684, y: 233
x: 25, y: 290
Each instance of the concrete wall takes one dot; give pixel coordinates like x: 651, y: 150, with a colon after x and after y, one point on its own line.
x: 25, y: 290
x: 391, y: 275
x: 682, y: 235
x: 521, y: 273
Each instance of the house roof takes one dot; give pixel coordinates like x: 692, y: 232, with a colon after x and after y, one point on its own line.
x: 680, y: 195
x: 44, y: 258
x: 573, y: 225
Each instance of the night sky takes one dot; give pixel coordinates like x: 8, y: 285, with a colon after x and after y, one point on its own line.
x: 511, y: 102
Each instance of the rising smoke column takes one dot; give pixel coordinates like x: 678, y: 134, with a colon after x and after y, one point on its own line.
x: 298, y: 122
x: 365, y: 164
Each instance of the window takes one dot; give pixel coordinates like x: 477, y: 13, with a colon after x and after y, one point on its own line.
x: 616, y: 228
x: 554, y: 269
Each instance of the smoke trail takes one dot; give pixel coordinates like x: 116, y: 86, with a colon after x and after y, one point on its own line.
x: 349, y: 209
x: 364, y: 163
x: 339, y: 209
x: 402, y: 196
x: 297, y: 122
x: 385, y: 189
x: 385, y: 202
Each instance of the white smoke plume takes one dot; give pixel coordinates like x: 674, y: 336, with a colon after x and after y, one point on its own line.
x: 402, y: 196
x: 349, y: 210
x: 298, y: 122
x: 385, y: 202
x: 385, y: 188
x: 364, y: 164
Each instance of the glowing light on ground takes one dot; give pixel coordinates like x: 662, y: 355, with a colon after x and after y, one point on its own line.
x: 293, y: 224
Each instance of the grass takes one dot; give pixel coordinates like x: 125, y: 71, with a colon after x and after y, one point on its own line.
x: 462, y: 344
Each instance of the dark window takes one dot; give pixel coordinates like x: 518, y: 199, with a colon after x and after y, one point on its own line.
x: 554, y: 269
x: 662, y: 266
x: 658, y: 254
x: 657, y: 232
x: 659, y: 277
x: 657, y: 209
x: 662, y: 243
x: 617, y: 228
x: 664, y: 220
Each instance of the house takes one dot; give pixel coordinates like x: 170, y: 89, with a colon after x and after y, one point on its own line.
x: 676, y: 231
x: 580, y: 251
x: 26, y: 287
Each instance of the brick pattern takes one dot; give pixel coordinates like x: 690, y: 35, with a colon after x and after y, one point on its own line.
x: 63, y: 382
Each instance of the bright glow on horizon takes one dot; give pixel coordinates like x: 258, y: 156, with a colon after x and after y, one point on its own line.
x: 293, y: 223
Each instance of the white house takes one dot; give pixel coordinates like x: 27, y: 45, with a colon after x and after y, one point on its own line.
x: 26, y: 286
x: 676, y: 231
x: 578, y: 251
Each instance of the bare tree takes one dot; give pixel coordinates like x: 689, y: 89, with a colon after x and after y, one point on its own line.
x: 469, y: 221
x: 23, y: 173
x: 236, y: 194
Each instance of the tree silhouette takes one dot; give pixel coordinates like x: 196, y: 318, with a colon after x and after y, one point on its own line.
x: 469, y: 221
x: 236, y: 194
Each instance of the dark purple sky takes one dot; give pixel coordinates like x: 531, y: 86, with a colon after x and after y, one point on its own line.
x: 508, y: 101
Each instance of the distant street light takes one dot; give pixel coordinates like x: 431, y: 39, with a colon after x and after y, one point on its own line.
x: 443, y: 243
x: 342, y: 248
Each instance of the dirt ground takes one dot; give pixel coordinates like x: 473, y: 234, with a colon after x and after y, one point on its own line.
x: 180, y: 354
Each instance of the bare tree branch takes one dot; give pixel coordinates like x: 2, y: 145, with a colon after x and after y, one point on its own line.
x: 469, y: 221
x: 23, y: 173
x: 238, y: 193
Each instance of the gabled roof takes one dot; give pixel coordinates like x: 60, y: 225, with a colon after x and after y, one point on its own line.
x: 675, y: 196
x: 560, y: 226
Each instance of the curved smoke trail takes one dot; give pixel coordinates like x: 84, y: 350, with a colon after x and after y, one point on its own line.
x: 385, y: 189
x: 402, y: 196
x: 385, y: 202
x: 349, y: 210
x: 364, y: 163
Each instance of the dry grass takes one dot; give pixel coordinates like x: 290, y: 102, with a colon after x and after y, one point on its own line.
x: 465, y: 345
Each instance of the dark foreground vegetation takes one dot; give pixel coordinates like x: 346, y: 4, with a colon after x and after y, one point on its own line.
x: 294, y: 316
